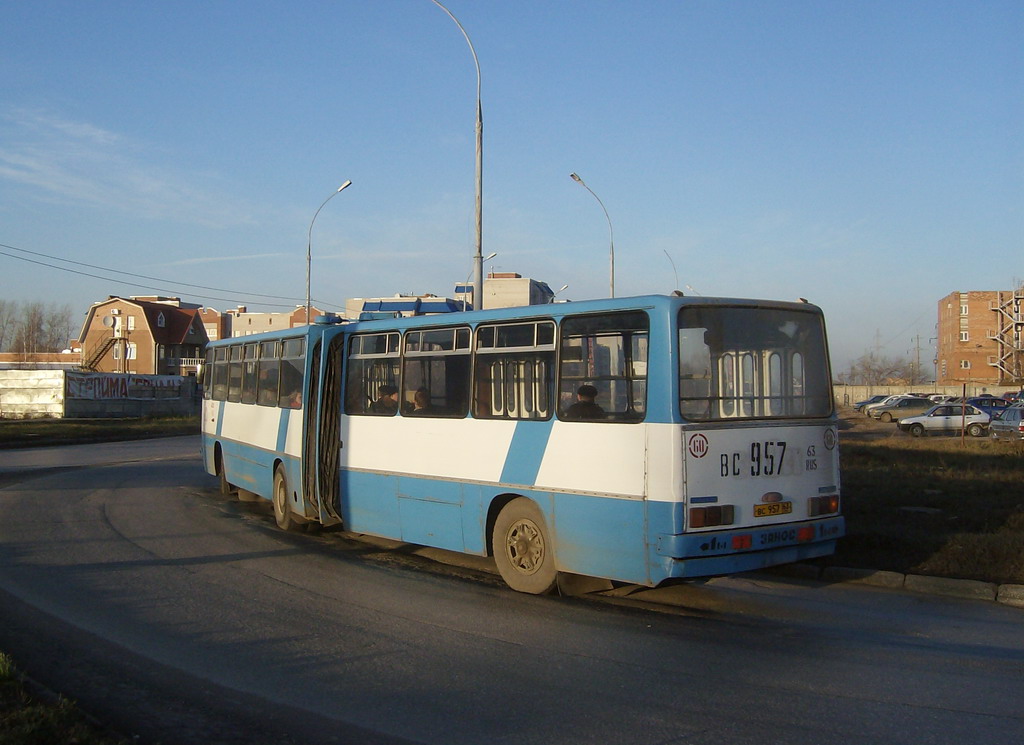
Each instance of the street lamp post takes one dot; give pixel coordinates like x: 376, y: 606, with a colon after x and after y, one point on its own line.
x: 309, y: 242
x: 478, y: 259
x: 611, y: 235
x: 478, y: 300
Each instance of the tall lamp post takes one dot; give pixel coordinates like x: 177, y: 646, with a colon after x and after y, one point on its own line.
x: 480, y: 297
x: 478, y: 257
x: 611, y: 235
x: 309, y: 242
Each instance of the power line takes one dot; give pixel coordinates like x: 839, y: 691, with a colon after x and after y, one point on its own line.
x: 238, y: 295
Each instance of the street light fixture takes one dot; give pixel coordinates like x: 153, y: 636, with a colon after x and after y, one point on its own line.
x: 309, y: 242
x: 557, y: 292
x: 478, y: 260
x: 611, y: 235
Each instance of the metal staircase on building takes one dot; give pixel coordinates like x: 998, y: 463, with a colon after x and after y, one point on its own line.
x: 97, y: 353
x: 1009, y: 336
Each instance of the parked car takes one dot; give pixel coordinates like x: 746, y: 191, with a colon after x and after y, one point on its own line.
x: 908, y: 406
x: 947, y: 418
x: 1014, y: 396
x: 989, y: 404
x: 1008, y: 424
x: 943, y: 398
x: 884, y: 402
x: 873, y: 400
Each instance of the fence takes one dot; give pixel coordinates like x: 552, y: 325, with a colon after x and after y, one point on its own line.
x: 73, y: 395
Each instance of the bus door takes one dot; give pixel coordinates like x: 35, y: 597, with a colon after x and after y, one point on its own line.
x: 321, y: 456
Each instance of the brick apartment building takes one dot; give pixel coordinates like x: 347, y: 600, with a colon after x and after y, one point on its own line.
x: 981, y: 337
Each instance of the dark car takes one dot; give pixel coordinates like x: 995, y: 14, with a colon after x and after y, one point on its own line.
x: 989, y: 404
x: 1008, y: 424
x: 873, y: 400
x: 904, y: 407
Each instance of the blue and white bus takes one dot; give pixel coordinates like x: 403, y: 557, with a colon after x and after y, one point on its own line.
x: 633, y: 439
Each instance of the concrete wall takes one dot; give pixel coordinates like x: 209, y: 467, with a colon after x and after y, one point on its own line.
x: 31, y: 393
x: 27, y: 394
x: 847, y: 395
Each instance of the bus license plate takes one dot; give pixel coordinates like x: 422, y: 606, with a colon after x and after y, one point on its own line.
x: 772, y: 509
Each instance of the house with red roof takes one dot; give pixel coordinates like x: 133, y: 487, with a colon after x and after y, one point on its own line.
x: 143, y: 335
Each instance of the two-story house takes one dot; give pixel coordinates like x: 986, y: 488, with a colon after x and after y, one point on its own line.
x: 143, y: 335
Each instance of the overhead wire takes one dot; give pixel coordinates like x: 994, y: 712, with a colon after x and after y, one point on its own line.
x: 238, y: 296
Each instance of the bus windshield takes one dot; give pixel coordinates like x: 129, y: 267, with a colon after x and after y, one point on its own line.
x: 752, y: 363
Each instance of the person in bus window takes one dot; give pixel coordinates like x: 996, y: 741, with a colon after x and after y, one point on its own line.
x: 585, y: 406
x: 387, y: 400
x: 421, y: 403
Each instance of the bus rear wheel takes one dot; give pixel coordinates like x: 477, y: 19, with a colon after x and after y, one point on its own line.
x: 222, y: 477
x: 522, y: 549
x: 283, y: 515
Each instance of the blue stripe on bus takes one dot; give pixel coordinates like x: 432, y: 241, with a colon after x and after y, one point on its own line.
x: 220, y: 417
x: 282, y: 429
x: 525, y: 452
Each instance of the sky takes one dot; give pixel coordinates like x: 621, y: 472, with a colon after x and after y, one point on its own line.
x: 867, y: 156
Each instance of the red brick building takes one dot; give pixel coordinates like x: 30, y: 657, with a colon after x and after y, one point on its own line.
x: 981, y: 337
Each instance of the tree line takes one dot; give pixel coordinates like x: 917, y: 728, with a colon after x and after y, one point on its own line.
x: 33, y: 327
x: 870, y: 369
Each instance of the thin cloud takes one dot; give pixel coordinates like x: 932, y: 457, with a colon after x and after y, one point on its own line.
x: 213, y: 259
x: 80, y: 162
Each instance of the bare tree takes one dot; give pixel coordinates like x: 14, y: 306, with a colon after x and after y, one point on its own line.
x: 871, y: 370
x: 8, y: 322
x: 41, y: 328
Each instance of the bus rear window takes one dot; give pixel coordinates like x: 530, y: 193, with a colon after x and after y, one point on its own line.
x: 752, y: 363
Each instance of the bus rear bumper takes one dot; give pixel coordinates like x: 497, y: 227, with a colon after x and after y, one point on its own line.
x: 746, y: 549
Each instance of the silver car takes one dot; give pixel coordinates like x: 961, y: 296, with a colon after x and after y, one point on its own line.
x: 1008, y: 424
x: 947, y: 418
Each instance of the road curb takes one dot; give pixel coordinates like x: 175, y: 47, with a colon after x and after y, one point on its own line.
x: 968, y: 589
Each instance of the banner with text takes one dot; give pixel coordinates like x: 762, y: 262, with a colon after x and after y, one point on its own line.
x: 110, y: 386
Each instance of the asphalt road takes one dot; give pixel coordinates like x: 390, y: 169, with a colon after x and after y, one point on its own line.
x: 182, y: 617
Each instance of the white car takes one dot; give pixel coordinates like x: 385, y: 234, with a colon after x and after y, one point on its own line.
x: 885, y: 402
x: 947, y: 418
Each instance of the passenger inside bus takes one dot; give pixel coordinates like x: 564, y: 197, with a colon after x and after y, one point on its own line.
x: 421, y: 403
x: 387, y: 400
x: 585, y: 406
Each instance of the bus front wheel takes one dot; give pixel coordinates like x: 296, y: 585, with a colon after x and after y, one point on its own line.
x: 283, y: 515
x: 523, y: 549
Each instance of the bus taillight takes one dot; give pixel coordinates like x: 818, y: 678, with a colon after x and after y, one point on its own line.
x: 822, y: 505
x: 706, y: 517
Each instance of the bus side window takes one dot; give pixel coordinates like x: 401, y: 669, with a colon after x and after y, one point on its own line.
x: 515, y: 371
x: 291, y: 372
x: 220, y: 374
x: 235, y: 373
x: 249, y: 373
x: 266, y: 387
x: 207, y: 376
x: 436, y: 365
x: 373, y: 363
x: 608, y: 352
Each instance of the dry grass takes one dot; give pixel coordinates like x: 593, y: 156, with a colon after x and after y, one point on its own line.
x: 27, y: 720
x: 26, y: 433
x: 935, y: 505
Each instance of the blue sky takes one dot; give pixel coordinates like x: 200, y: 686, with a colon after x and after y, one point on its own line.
x: 868, y: 156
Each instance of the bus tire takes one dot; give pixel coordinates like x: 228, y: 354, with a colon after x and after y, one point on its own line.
x: 522, y: 548
x: 283, y: 515
x: 222, y: 477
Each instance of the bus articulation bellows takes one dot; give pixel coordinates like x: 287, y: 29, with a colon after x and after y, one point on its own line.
x: 633, y: 439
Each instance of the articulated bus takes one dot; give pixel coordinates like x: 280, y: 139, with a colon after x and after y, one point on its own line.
x: 632, y: 439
